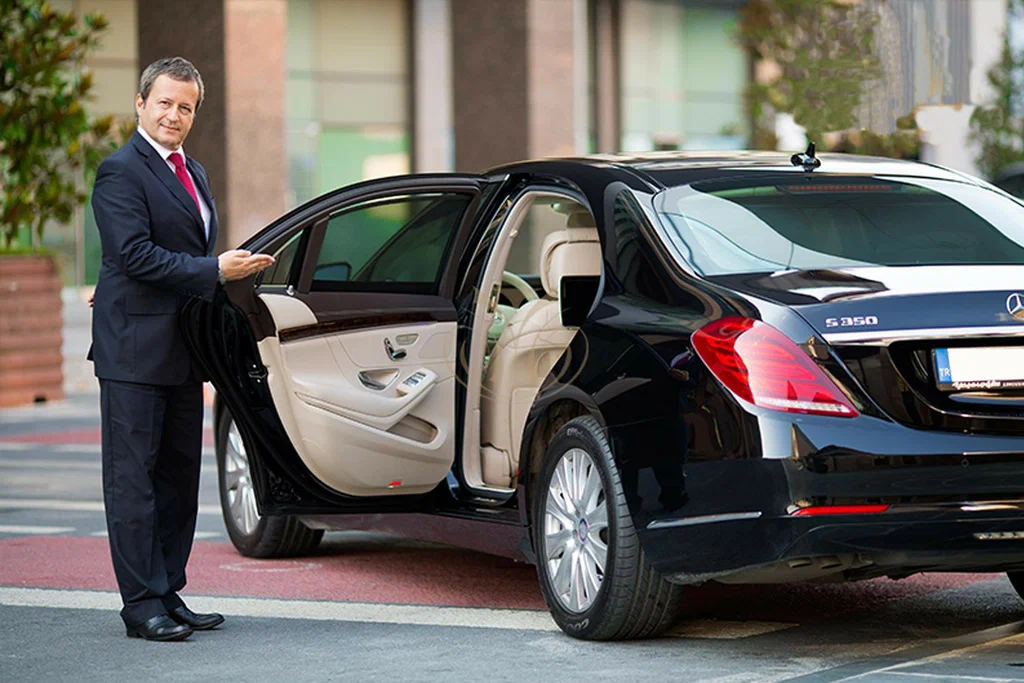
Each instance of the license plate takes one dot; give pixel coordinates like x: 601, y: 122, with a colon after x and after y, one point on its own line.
x: 989, y: 368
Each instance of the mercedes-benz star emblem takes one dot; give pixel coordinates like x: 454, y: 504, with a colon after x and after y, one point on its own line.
x: 1015, y: 307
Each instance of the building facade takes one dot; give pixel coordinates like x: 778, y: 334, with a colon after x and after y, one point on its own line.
x: 304, y: 96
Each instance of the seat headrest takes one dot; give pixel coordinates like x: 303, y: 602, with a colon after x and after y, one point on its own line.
x: 580, y: 218
x: 570, y: 251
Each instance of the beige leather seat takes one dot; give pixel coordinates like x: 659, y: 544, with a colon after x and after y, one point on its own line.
x: 529, y: 347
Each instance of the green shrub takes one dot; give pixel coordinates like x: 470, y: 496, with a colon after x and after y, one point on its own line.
x: 50, y: 146
x: 822, y: 55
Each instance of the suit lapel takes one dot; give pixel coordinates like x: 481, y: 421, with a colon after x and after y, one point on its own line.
x: 204, y: 191
x: 167, y: 177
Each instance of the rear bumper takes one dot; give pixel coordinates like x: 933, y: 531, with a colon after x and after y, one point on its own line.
x: 894, y: 543
x: 945, y: 492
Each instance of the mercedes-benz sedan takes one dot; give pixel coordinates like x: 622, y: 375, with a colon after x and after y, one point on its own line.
x: 637, y: 373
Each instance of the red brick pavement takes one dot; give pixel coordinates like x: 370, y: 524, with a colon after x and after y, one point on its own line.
x: 429, y: 577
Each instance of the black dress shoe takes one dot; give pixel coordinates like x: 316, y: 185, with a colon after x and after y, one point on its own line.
x: 160, y: 627
x: 198, y: 622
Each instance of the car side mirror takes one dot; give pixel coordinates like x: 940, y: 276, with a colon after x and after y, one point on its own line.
x: 576, y: 294
x: 334, y: 272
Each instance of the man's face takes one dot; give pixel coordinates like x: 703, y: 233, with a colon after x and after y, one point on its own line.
x: 169, y: 111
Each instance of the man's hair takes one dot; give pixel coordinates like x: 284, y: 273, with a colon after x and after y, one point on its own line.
x: 178, y: 68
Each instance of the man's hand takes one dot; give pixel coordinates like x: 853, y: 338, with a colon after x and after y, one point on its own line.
x: 239, y: 264
x: 92, y: 297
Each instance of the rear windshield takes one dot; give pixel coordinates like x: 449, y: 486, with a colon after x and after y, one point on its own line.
x: 784, y: 222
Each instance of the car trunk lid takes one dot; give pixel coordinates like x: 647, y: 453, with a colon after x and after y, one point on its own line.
x: 897, y: 329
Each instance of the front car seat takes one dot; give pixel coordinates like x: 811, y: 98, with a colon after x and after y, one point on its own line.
x: 530, y: 346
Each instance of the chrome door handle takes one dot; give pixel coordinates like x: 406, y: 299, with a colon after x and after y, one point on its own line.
x: 393, y: 353
x: 371, y: 383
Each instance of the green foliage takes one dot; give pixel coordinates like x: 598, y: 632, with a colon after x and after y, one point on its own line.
x: 999, y: 128
x: 48, y: 142
x: 821, y: 54
x: 903, y: 144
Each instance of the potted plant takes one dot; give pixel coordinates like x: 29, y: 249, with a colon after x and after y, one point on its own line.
x: 50, y: 148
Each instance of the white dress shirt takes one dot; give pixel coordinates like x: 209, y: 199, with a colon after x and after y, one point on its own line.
x: 204, y: 210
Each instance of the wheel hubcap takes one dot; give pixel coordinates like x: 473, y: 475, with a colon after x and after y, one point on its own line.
x: 238, y: 483
x: 576, y: 531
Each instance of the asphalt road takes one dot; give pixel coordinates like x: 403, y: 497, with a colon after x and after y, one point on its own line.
x: 369, y: 607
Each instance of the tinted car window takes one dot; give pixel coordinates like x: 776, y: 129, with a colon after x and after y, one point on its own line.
x: 787, y: 222
x: 399, y: 244
x: 284, y: 258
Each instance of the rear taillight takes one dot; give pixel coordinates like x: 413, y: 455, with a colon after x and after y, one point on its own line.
x: 761, y: 365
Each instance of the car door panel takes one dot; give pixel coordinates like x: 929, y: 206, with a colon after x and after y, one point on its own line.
x: 357, y: 434
x: 316, y: 378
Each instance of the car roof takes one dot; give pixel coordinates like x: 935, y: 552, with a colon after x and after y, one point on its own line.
x: 671, y: 169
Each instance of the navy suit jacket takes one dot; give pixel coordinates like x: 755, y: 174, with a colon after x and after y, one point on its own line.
x: 155, y: 256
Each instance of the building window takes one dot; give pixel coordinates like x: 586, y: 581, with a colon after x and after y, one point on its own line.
x: 683, y: 76
x: 347, y: 93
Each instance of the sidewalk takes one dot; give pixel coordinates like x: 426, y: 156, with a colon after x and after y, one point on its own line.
x: 78, y: 372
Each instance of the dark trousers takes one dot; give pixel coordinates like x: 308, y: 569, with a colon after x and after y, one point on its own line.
x: 152, y: 446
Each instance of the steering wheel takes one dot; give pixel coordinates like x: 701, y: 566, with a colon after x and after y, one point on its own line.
x: 504, y: 313
x: 521, y: 286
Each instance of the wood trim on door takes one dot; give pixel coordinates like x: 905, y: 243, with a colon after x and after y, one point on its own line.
x: 359, y: 321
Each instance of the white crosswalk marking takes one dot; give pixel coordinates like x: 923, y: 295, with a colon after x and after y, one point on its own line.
x: 479, y: 617
x: 73, y: 505
x: 199, y: 535
x: 50, y: 447
x: 45, y: 463
x: 324, y: 610
x: 80, y: 448
x: 25, y: 530
x: 998, y: 637
x: 33, y: 414
x: 422, y: 615
x: 953, y: 678
x: 66, y: 464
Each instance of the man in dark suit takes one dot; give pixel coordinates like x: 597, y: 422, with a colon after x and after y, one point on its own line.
x: 158, y: 227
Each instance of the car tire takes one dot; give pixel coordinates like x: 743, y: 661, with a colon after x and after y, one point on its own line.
x: 631, y: 600
x: 251, y: 534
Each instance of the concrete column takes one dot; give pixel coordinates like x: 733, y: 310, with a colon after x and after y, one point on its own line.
x: 607, y: 107
x: 581, y: 76
x: 551, y: 84
x: 239, y: 48
x: 432, y: 86
x: 195, y: 31
x: 513, y: 80
x: 255, y: 43
x: 489, y: 82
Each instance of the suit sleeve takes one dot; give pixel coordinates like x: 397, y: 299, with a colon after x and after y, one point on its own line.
x: 122, y: 216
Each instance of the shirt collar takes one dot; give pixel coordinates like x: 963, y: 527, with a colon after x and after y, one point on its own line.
x: 163, y: 151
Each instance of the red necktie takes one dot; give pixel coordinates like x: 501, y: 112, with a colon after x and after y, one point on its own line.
x: 179, y: 170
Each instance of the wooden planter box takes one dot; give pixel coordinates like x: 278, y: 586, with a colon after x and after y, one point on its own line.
x: 31, y: 327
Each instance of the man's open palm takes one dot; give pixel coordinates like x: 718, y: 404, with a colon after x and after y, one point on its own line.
x: 239, y: 264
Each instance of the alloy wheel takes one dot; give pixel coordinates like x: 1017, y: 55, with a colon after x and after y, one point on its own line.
x: 238, y: 484
x: 576, y: 531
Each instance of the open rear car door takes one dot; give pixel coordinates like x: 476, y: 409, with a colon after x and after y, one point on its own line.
x: 338, y: 363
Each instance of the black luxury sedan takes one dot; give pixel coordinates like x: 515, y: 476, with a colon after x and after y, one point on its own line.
x: 636, y: 372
